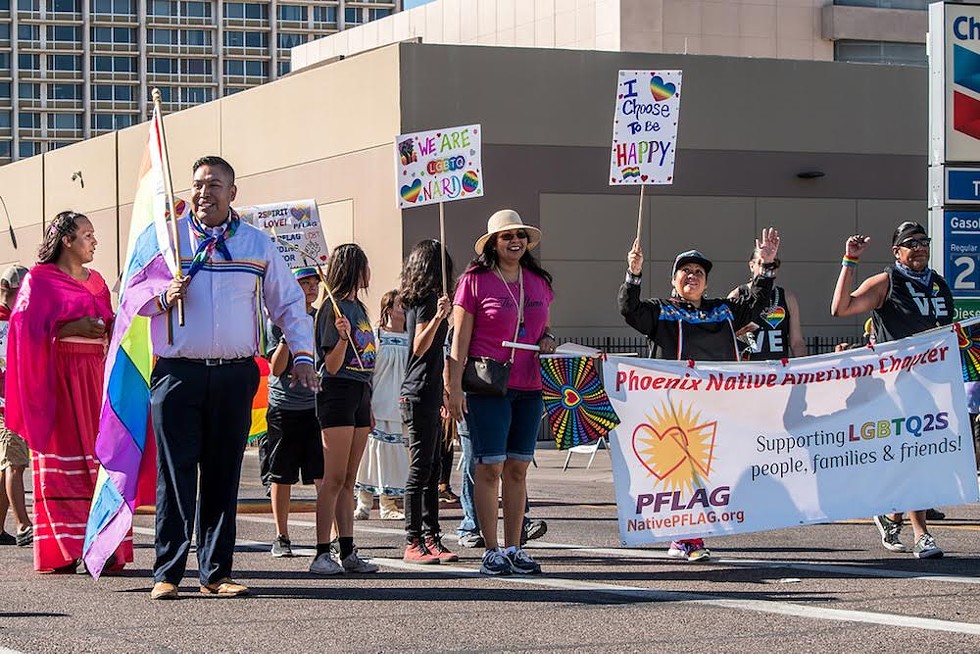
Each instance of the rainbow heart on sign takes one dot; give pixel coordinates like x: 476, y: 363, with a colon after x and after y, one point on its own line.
x: 471, y: 181
x: 775, y: 316
x: 300, y: 213
x: 410, y: 193
x: 661, y: 90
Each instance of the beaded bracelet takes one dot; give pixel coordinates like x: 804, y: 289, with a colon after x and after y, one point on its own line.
x: 850, y: 262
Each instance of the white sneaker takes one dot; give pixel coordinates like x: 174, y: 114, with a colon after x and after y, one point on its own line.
x: 362, y: 513
x: 354, y: 563
x: 324, y: 564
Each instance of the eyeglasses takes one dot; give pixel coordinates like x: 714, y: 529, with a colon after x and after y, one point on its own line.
x: 915, y: 243
x: 510, y: 236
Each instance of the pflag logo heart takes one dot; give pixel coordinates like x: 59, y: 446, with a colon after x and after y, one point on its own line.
x: 774, y: 316
x: 676, y: 446
x: 662, y: 90
x: 410, y: 193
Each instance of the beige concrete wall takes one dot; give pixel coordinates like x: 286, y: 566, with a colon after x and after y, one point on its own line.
x: 784, y: 29
x: 324, y: 134
x: 872, y: 24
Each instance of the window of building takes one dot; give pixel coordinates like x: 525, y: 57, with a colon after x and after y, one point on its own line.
x: 63, y: 62
x: 29, y: 62
x: 161, y: 8
x: 880, y: 52
x: 5, y: 91
x: 28, y: 5
x: 196, y: 66
x: 4, y: 5
x: 162, y: 65
x: 5, y: 149
x: 195, y: 95
x: 28, y: 91
x: 107, y: 64
x: 118, y: 7
x: 5, y: 32
x: 64, y: 91
x: 195, y: 9
x: 241, y: 39
x: 109, y: 122
x: 65, y: 6
x: 166, y: 93
x: 28, y: 148
x: 5, y: 121
x: 109, y: 92
x: 64, y: 33
x: 887, y: 4
x: 28, y: 32
x: 352, y: 15
x: 292, y: 12
x: 113, y: 35
x: 291, y: 40
x: 5, y: 60
x: 246, y: 10
x: 247, y: 68
x: 64, y: 121
x: 375, y: 14
x: 27, y: 120
x: 161, y: 37
x: 324, y: 14
x: 232, y: 90
x: 195, y: 37
x: 283, y: 68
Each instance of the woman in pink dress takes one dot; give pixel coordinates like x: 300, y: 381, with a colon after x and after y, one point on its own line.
x: 56, y: 356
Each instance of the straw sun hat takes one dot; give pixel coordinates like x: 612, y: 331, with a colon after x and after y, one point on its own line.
x: 505, y: 220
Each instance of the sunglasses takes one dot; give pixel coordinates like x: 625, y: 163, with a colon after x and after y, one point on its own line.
x: 915, y: 243
x: 509, y: 236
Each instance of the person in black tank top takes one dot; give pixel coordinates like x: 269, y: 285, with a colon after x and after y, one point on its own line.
x: 907, y: 298
x: 775, y: 332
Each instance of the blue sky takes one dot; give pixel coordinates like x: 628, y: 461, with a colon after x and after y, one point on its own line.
x: 415, y: 3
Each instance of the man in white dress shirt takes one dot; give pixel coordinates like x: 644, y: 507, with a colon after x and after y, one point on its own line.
x: 205, y: 378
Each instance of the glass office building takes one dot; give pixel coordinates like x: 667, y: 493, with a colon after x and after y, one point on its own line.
x: 71, y: 69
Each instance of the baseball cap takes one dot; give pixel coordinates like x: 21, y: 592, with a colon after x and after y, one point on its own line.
x: 13, y: 276
x: 303, y: 273
x: 692, y: 256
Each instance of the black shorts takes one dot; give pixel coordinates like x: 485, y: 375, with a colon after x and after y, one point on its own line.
x: 291, y: 446
x: 344, y: 403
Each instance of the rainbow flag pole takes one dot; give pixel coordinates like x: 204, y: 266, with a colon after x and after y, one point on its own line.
x: 124, y: 445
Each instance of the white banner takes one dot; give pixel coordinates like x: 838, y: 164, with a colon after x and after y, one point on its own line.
x: 728, y: 448
x: 291, y: 224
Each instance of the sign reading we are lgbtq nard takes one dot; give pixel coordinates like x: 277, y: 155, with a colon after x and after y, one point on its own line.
x: 728, y: 448
x: 648, y: 104
x: 439, y: 166
x: 296, y: 222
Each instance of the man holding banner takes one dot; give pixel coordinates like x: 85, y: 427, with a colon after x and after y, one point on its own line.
x: 689, y: 326
x: 907, y: 298
x: 203, y: 383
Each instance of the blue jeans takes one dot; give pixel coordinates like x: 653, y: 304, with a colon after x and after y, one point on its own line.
x: 504, y: 428
x: 469, y: 523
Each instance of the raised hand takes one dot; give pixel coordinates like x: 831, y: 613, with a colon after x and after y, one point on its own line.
x: 768, y: 245
x: 855, y: 245
x: 635, y: 258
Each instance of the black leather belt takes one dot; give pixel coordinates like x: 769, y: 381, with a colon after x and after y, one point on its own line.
x: 210, y: 363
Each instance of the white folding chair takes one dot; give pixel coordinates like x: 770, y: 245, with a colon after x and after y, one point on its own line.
x: 590, y: 449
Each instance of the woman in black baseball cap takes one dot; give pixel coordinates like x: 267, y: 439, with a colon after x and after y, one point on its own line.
x: 687, y: 325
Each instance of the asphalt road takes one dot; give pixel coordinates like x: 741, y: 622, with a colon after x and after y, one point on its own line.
x: 824, y: 588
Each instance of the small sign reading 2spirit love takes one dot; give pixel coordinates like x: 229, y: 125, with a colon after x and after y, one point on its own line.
x: 296, y: 223
x: 438, y: 166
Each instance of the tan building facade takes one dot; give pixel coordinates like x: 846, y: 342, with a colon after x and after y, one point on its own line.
x: 749, y: 128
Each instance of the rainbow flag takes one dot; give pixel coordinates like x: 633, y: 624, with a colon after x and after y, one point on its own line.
x: 260, y: 404
x: 575, y: 401
x: 125, y: 446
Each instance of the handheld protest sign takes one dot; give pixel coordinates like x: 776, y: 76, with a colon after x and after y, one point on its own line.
x: 644, y: 140
x: 296, y: 222
x: 436, y: 167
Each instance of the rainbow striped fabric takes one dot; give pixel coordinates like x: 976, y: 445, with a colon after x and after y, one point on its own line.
x: 260, y: 404
x: 125, y: 440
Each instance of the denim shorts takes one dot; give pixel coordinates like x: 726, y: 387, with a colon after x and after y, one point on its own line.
x: 504, y: 428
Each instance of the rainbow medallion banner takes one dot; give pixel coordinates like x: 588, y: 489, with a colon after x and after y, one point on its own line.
x: 575, y: 402
x: 728, y: 448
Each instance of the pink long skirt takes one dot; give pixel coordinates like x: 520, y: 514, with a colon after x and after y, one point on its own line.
x: 65, y: 473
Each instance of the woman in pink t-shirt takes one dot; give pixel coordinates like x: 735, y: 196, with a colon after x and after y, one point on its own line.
x: 504, y: 295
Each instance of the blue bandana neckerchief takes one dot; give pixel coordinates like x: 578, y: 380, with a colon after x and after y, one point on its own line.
x: 923, y: 277
x: 211, y: 242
